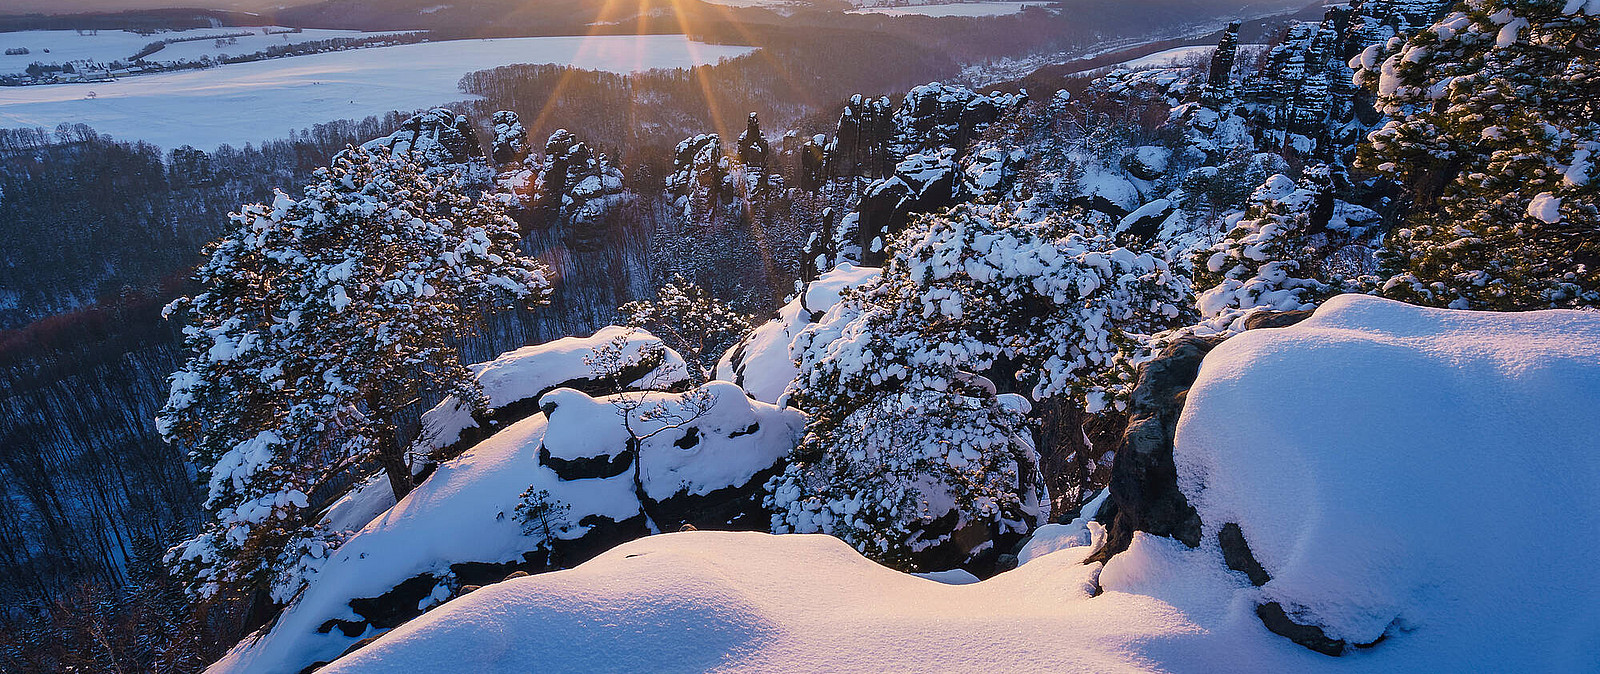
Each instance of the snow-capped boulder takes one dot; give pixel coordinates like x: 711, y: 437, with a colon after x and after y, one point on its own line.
x: 1147, y: 162
x: 1145, y: 222
x: 514, y: 382
x: 761, y: 362
x: 1358, y: 513
x: 435, y: 138
x: 1106, y: 190
x: 701, y: 459
x: 512, y: 385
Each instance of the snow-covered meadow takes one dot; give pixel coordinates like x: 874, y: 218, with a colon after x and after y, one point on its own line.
x: 263, y: 100
x: 103, y: 47
x: 952, y: 9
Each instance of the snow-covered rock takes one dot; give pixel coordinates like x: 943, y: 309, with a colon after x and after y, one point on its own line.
x: 723, y: 601
x: 761, y: 362
x: 461, y: 526
x: 513, y: 383
x: 1442, y: 494
x: 435, y: 138
x: 1437, y: 423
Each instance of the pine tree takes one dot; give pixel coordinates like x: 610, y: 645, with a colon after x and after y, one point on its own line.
x: 1266, y: 259
x: 690, y: 321
x: 1494, y: 130
x: 321, y: 318
x: 901, y: 379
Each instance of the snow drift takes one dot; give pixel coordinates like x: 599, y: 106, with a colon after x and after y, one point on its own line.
x: 1426, y: 476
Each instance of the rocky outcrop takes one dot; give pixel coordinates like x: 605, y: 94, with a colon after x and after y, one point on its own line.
x: 510, y: 139
x: 922, y: 183
x: 935, y: 116
x: 753, y: 147
x: 577, y: 188
x: 436, y: 138
x: 1144, y: 478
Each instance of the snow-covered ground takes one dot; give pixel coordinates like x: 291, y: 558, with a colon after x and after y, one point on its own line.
x: 252, y: 102
x: 1178, y: 55
x: 103, y: 47
x: 951, y: 9
x: 1422, y: 475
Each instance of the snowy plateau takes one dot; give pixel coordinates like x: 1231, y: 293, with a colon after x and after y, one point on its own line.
x: 265, y: 100
x: 1436, y: 516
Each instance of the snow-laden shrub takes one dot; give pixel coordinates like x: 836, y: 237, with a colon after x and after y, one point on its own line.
x: 969, y: 289
x: 690, y: 321
x: 1256, y: 265
x: 899, y: 378
x: 913, y: 477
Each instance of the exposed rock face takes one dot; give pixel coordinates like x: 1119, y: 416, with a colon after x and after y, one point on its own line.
x: 1144, y: 478
x: 510, y: 138
x: 699, y: 180
x: 753, y: 147
x: 860, y: 146
x: 435, y: 138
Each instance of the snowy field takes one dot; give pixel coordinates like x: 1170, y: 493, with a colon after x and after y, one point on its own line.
x: 951, y: 9
x: 263, y: 100
x: 103, y: 47
x: 1178, y: 55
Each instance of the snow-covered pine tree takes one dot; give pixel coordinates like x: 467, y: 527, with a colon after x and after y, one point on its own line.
x: 1264, y: 262
x: 910, y: 439
x: 1494, y: 131
x: 690, y: 321
x: 320, y: 319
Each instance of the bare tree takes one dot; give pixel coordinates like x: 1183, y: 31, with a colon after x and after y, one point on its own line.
x: 645, y: 411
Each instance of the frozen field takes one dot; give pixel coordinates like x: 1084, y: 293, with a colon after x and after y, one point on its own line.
x: 1174, y: 56
x: 105, y: 46
x: 252, y: 102
x: 951, y: 9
